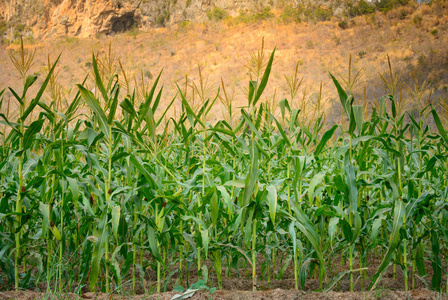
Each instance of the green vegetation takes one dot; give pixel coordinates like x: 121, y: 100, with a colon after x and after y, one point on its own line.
x: 261, y: 14
x: 3, y: 27
x: 163, y: 17
x: 217, y: 14
x: 100, y: 197
x: 290, y: 14
x: 417, y: 20
x: 360, y: 8
x: 309, y: 11
x: 343, y: 25
x: 388, y: 5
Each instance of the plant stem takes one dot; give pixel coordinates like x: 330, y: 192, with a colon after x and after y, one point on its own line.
x: 254, y: 255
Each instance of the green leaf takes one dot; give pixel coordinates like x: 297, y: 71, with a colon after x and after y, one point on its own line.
x: 189, y: 110
x: 16, y: 96
x: 280, y: 129
x: 342, y: 96
x: 394, y: 240
x: 28, y: 82
x: 74, y: 188
x: 236, y: 183
x: 358, y: 115
x: 248, y: 121
x: 98, y: 81
x: 39, y: 94
x: 138, y: 164
x: 94, y: 105
x: 45, y: 211
x: 195, y: 219
x: 225, y: 195
x: 440, y: 126
x: 264, y: 79
x: 330, y: 285
x: 317, y: 179
x: 129, y: 108
x: 205, y: 240
x: 115, y: 266
x: 351, y: 184
x: 113, y: 107
x: 420, y: 259
x: 116, y: 214
x: 327, y: 136
x: 97, y: 255
x: 272, y: 202
x: 332, y: 226
x: 31, y: 132
x: 307, y: 228
x: 293, y: 235
x: 436, y: 263
x: 251, y: 180
x: 147, y: 104
x: 252, y: 87
x: 153, y: 244
x: 214, y: 205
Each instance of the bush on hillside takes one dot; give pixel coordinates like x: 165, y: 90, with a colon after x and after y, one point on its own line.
x: 388, y: 5
x: 343, y: 24
x: 264, y: 14
x: 291, y: 14
x: 361, y: 7
x: 3, y: 27
x: 217, y: 14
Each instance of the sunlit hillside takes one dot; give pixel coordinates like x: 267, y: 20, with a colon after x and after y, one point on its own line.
x: 414, y: 37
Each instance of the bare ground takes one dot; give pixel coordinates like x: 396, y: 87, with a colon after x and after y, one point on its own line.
x: 420, y: 294
x: 239, y: 287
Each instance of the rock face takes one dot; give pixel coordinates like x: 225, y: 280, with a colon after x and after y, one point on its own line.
x: 84, y: 18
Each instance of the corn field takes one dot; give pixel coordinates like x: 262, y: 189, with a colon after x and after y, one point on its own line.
x: 97, y: 199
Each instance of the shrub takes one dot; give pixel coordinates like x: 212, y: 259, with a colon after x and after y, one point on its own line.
x: 69, y: 40
x: 434, y: 32
x: 19, y: 27
x: 217, y: 14
x: 19, y: 30
x: 148, y: 74
x: 361, y: 8
x: 184, y: 24
x: 417, y: 20
x: 264, y: 14
x: 422, y: 61
x: 134, y: 31
x: 30, y: 40
x: 322, y: 13
x: 343, y: 24
x: 291, y: 14
x: 3, y: 27
x: 387, y: 5
x: 163, y: 18
x: 365, y: 8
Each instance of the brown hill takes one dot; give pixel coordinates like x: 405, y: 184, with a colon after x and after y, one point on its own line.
x: 413, y: 36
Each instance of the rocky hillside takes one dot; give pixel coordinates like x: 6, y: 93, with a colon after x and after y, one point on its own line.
x: 83, y: 18
x: 38, y: 19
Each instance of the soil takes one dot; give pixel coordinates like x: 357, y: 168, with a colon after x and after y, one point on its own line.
x: 238, y: 286
x: 420, y: 294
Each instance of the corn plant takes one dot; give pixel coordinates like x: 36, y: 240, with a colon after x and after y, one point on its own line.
x: 104, y: 188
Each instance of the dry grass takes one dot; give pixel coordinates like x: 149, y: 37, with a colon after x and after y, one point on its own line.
x: 222, y: 51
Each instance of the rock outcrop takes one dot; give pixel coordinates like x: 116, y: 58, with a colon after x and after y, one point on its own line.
x: 84, y: 18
